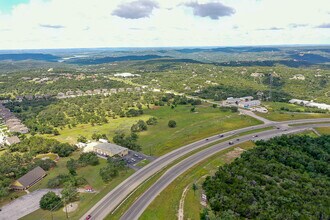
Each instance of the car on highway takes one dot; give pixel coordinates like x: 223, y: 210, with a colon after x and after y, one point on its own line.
x: 237, y: 139
x: 206, y: 139
x: 254, y: 136
x: 221, y: 135
x: 88, y: 217
x: 230, y: 142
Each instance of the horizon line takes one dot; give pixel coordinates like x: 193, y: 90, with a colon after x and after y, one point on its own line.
x: 151, y: 47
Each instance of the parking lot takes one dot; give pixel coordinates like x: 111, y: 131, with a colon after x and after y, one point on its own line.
x: 133, y: 158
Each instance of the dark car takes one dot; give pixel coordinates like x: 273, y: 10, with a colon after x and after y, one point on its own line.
x: 206, y: 139
x: 230, y: 142
x: 221, y: 135
x: 88, y: 217
x: 237, y: 139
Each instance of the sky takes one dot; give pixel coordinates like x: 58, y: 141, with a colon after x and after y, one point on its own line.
x: 40, y: 24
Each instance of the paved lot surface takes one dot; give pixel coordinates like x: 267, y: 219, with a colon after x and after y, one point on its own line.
x: 24, y: 205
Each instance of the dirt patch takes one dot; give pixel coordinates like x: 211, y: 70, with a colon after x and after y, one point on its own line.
x: 71, y: 207
x: 230, y: 156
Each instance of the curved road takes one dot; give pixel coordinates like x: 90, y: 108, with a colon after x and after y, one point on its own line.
x: 114, y: 198
x: 135, y: 211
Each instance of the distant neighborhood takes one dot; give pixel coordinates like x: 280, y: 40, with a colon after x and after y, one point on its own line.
x: 10, y: 124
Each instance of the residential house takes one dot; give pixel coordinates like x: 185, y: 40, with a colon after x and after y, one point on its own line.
x: 12, y: 140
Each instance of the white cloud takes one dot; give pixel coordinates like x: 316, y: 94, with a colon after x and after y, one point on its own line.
x: 86, y: 23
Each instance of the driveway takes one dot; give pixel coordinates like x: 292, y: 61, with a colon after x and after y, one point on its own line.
x: 24, y: 205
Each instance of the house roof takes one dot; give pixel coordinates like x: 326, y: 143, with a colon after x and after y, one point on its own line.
x: 13, y: 140
x: 31, y: 177
x: 113, y: 148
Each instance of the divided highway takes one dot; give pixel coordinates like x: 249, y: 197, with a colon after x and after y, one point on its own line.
x: 108, y: 203
x: 139, y: 206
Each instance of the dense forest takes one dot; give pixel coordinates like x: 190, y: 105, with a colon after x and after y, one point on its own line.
x: 286, y: 177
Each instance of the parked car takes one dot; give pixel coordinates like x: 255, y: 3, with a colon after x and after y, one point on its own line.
x: 135, y: 155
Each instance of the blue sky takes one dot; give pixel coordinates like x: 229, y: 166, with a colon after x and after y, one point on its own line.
x: 7, y: 5
x: 34, y: 24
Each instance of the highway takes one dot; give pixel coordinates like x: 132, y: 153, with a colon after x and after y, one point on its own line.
x: 135, y: 211
x: 114, y: 198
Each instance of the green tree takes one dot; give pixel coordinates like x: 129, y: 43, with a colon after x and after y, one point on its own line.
x: 82, y: 139
x: 171, y: 123
x: 89, y: 158
x: 72, y: 166
x: 152, y: 121
x: 194, y: 187
x: 108, y: 172
x: 69, y: 193
x: 50, y: 201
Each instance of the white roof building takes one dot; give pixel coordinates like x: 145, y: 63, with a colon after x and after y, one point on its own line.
x: 125, y: 75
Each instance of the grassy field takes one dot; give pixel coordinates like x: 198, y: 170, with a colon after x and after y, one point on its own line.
x: 49, y: 155
x: 324, y: 130
x: 276, y: 114
x: 160, y: 139
x: 191, y: 126
x: 308, y: 133
x: 87, y: 130
x: 165, y: 206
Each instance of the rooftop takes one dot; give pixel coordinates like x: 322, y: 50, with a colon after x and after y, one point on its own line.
x: 115, y: 149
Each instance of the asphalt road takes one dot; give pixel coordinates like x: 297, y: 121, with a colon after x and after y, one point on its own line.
x: 114, y: 198
x: 135, y: 211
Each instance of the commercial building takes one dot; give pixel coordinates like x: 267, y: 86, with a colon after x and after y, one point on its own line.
x: 249, y: 104
x: 310, y: 104
x: 109, y: 149
x: 29, y: 179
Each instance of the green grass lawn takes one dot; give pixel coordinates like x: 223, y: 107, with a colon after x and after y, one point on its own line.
x: 308, y: 133
x: 142, y: 163
x: 49, y: 155
x: 166, y: 205
x: 206, y: 121
x: 324, y: 130
x: 276, y: 114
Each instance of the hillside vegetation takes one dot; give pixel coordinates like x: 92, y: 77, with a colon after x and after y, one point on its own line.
x: 284, y: 178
